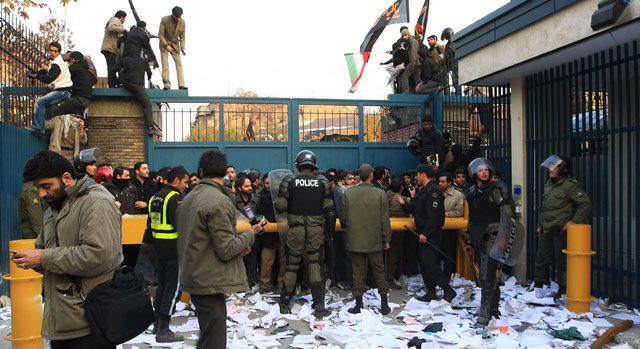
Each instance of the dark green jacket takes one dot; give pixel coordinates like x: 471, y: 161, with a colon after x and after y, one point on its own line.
x: 365, y: 211
x: 563, y: 200
x: 208, y: 245
x: 31, y: 210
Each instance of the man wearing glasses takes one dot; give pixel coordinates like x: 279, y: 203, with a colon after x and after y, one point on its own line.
x: 58, y: 79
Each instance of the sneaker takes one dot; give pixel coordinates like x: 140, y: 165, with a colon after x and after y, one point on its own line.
x: 34, y: 130
x: 183, y: 88
x: 167, y: 336
x: 166, y: 88
x: 154, y: 131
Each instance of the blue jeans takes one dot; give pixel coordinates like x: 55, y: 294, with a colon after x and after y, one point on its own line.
x: 42, y: 103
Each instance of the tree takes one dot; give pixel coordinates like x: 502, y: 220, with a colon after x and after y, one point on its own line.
x: 23, y: 50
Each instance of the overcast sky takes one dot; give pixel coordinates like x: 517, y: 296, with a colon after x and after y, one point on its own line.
x: 287, y: 48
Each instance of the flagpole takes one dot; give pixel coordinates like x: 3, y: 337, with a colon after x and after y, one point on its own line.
x: 424, y: 23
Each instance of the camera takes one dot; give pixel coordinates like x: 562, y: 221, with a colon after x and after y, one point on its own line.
x: 253, y: 218
x: 32, y: 74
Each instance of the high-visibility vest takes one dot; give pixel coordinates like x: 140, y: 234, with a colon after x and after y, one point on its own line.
x: 160, y: 229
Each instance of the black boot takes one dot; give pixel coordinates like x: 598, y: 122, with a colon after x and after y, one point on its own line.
x: 165, y: 335
x: 495, y: 303
x: 357, y: 307
x: 484, y: 316
x: 317, y: 294
x: 384, y: 305
x: 449, y: 294
x: 155, y: 326
x: 284, y: 302
x: 429, y: 296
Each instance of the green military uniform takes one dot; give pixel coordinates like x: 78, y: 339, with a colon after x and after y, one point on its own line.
x: 31, y: 210
x: 365, y: 214
x: 306, y: 198
x: 563, y: 201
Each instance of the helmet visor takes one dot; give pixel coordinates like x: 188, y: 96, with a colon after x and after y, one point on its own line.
x: 551, y: 162
x: 479, y: 164
x: 87, y: 156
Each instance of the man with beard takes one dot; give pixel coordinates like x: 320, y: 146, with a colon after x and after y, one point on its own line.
x: 269, y: 242
x: 122, y: 190
x: 80, y: 244
x: 145, y: 186
x: 245, y: 200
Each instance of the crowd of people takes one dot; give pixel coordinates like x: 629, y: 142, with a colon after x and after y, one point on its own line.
x: 418, y: 68
x: 128, y: 54
x: 192, y: 219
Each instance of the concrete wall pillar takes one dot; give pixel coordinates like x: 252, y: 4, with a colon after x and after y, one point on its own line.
x: 519, y: 160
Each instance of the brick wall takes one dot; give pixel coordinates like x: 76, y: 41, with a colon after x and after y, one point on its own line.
x: 401, y: 134
x: 116, y: 126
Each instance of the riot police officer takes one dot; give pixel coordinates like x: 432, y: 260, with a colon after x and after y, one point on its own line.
x: 489, y: 205
x: 85, y: 162
x: 307, y: 200
x: 161, y: 225
x: 563, y: 202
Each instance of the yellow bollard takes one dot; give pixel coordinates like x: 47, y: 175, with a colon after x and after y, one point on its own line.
x: 26, y: 302
x: 578, y: 268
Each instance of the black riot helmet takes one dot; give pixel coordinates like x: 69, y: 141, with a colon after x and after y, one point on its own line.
x: 306, y: 158
x: 447, y: 33
x: 85, y: 157
x: 413, y: 144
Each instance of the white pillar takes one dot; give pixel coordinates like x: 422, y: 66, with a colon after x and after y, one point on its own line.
x: 519, y: 161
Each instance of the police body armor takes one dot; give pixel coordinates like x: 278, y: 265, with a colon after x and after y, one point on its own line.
x: 306, y: 193
x: 482, y: 211
x: 160, y: 229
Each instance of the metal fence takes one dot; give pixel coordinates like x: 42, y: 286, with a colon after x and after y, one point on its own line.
x: 588, y: 110
x: 21, y: 50
x: 486, y: 109
x: 267, y: 132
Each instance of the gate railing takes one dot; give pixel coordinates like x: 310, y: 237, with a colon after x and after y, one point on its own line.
x: 588, y: 110
x: 21, y: 50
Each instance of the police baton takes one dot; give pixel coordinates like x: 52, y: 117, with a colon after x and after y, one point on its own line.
x: 432, y: 245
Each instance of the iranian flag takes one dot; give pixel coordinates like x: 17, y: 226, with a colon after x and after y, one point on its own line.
x: 398, y: 12
x: 356, y: 63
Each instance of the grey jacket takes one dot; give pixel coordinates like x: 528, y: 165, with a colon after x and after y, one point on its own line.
x: 82, y: 243
x: 208, y: 245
